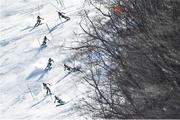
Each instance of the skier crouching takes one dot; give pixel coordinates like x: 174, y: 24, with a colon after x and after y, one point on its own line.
x: 44, y: 43
x: 61, y: 15
x: 59, y: 101
x: 66, y: 67
x: 38, y: 21
x: 49, y: 65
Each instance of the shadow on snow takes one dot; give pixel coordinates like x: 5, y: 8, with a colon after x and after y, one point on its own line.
x: 39, y: 101
x: 56, y: 26
x: 36, y: 73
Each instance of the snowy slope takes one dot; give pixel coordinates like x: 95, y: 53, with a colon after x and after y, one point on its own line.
x: 22, y: 63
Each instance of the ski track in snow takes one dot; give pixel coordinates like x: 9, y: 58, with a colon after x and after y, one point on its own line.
x: 22, y: 62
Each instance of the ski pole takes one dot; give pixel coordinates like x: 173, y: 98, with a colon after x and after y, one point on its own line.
x: 57, y: 1
x: 39, y: 42
x: 30, y: 92
x: 49, y: 32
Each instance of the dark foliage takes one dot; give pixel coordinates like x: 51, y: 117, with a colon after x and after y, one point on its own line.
x: 132, y: 60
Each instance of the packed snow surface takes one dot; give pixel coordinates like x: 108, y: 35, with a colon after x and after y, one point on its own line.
x: 22, y: 62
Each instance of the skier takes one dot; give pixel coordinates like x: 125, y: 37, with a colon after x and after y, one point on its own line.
x: 50, y: 60
x: 44, y: 42
x: 38, y: 21
x: 66, y: 67
x: 59, y: 101
x: 49, y: 65
x: 61, y: 14
x: 45, y: 86
x: 77, y: 68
